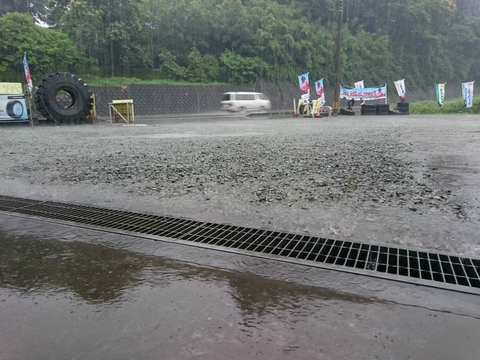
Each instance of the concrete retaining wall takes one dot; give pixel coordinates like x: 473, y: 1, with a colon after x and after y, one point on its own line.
x: 188, y: 99
x: 185, y: 99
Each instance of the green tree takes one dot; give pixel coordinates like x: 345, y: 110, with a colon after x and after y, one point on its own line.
x: 241, y: 69
x: 195, y: 71
x: 48, y: 50
x: 116, y: 31
x: 169, y: 67
x: 423, y: 41
x: 211, y: 67
x: 36, y: 8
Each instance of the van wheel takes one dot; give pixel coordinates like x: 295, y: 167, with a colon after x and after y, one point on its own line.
x: 241, y: 110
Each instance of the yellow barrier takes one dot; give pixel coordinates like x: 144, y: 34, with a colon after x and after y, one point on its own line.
x: 315, y: 107
x: 122, y: 111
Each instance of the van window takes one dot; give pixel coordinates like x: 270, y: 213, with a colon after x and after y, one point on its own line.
x: 245, y: 97
x: 226, y: 97
x: 263, y: 97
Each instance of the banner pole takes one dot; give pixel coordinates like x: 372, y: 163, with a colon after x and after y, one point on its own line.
x: 336, y: 91
x: 28, y: 100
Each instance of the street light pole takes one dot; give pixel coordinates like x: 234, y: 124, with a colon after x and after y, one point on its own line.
x: 336, y: 92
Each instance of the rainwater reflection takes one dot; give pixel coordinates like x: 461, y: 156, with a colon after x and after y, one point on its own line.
x: 101, y: 274
x: 66, y: 295
x: 95, y: 273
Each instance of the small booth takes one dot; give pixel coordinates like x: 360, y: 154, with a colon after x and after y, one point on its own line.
x: 121, y: 111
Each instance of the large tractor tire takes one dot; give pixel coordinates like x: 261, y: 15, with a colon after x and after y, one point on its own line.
x: 64, y: 98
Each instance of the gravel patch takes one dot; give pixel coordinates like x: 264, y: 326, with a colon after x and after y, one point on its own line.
x: 380, y: 181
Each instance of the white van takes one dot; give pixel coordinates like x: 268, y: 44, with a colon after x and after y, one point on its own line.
x: 245, y: 101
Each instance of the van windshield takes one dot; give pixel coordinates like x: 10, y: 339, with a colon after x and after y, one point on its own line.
x: 263, y: 97
x: 225, y: 97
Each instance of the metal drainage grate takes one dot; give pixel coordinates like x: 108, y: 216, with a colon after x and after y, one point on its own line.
x: 414, y: 266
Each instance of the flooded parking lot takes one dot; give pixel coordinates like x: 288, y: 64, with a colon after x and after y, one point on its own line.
x: 69, y: 292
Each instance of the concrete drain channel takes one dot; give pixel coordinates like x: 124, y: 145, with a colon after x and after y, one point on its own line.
x: 440, y: 270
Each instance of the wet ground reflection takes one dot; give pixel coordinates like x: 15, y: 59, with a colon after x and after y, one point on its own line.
x: 64, y: 295
x: 100, y: 274
x: 95, y: 273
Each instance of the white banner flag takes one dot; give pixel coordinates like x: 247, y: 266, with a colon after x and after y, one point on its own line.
x: 440, y: 93
x: 467, y: 94
x: 359, y: 84
x: 400, y: 86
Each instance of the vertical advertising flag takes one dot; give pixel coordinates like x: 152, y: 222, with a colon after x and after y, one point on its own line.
x: 320, y: 91
x: 440, y: 93
x: 467, y: 94
x: 359, y: 84
x: 28, y: 77
x: 304, y: 87
x: 400, y: 86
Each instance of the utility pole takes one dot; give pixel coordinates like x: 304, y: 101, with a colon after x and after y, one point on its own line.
x: 336, y: 92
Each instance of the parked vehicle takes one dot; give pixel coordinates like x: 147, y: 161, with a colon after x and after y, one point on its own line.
x: 245, y: 101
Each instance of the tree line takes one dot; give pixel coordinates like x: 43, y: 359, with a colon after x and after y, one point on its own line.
x: 234, y: 41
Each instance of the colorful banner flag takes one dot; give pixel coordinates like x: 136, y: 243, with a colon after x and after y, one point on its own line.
x: 304, y: 87
x: 28, y: 77
x: 400, y: 86
x: 440, y: 93
x: 320, y: 91
x: 373, y: 93
x: 467, y: 94
x: 359, y: 84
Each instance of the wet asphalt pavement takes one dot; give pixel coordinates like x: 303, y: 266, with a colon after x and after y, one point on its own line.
x: 67, y: 292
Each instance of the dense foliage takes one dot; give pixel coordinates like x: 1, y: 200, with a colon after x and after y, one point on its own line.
x: 423, y: 41
x: 452, y: 106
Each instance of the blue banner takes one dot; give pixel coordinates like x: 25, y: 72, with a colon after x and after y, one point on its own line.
x: 304, y: 87
x: 372, y: 93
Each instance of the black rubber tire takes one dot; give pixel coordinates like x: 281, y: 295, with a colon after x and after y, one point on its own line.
x: 346, y: 112
x: 370, y: 109
x: 403, y: 107
x: 77, y: 112
x: 382, y: 109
